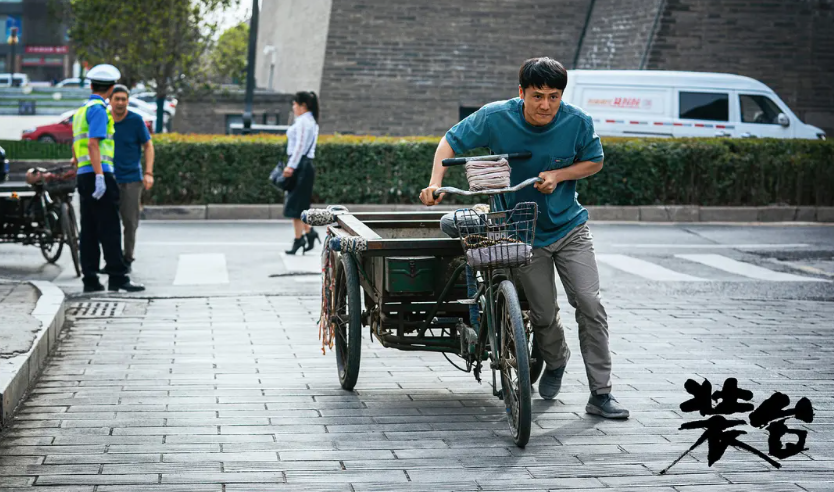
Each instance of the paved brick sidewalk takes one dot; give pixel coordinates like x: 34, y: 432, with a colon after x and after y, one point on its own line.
x: 18, y: 328
x: 233, y: 394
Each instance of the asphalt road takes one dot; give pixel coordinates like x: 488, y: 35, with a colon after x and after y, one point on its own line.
x: 176, y: 259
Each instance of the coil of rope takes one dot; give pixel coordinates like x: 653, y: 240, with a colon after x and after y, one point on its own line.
x: 488, y: 175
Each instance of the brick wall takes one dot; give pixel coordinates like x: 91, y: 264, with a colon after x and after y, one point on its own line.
x: 208, y: 114
x: 618, y: 34
x: 405, y: 70
x: 397, y: 71
x: 787, y: 44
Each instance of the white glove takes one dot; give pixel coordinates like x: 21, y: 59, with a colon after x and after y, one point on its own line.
x: 101, y: 187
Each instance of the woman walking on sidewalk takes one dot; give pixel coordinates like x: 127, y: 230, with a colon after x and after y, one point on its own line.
x: 301, y: 149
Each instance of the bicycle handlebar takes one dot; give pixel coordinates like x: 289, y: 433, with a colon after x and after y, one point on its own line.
x: 458, y: 161
x: 457, y: 191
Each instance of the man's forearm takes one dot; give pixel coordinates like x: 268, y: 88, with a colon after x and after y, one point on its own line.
x: 149, y: 156
x: 578, y: 171
x: 444, y: 151
x: 95, y: 155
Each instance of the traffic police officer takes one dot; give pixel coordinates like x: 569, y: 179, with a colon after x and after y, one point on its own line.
x: 92, y: 150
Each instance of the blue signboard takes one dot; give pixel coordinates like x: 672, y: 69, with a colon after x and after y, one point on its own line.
x: 11, y: 22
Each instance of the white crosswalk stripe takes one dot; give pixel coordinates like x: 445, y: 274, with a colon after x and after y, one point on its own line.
x: 745, y: 269
x: 644, y: 268
x: 201, y: 269
x: 307, y: 263
x: 211, y: 269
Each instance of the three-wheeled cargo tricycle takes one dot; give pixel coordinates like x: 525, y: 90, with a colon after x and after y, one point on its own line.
x: 417, y: 288
x: 40, y: 212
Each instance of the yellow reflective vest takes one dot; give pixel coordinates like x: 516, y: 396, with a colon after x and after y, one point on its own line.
x: 81, y: 139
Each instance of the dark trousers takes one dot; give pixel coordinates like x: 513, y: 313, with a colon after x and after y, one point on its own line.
x: 100, y: 225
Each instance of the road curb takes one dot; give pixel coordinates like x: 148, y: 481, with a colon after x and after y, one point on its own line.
x: 25, y: 368
x: 652, y: 213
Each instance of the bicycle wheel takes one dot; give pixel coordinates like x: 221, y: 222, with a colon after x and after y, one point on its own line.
x: 50, y: 242
x: 514, y: 362
x: 70, y: 227
x: 348, y: 326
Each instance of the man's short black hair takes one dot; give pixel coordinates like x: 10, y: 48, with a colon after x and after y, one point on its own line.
x: 543, y: 72
x: 120, y: 88
x: 101, y: 87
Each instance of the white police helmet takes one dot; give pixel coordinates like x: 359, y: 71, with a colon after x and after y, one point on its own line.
x: 104, y: 73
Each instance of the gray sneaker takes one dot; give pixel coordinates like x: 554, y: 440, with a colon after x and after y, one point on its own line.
x: 551, y: 382
x: 606, y: 406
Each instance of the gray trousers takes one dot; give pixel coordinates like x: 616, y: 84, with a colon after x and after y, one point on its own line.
x: 574, y: 258
x: 130, y: 206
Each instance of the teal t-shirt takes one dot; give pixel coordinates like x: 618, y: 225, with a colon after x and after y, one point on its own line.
x: 569, y: 138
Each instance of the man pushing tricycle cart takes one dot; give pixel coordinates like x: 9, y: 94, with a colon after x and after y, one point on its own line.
x: 447, y: 283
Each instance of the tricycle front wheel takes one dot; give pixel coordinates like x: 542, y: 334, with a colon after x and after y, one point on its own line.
x: 514, y: 361
x: 347, y: 323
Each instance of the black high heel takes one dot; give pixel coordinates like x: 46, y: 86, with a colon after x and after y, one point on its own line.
x: 297, y: 244
x: 312, y: 237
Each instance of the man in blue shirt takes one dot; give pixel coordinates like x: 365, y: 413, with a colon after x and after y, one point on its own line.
x: 565, y: 149
x: 131, y: 138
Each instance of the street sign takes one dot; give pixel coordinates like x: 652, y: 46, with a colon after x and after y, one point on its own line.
x: 46, y: 50
x: 26, y: 107
x: 12, y: 22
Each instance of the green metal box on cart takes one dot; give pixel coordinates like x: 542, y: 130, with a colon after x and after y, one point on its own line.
x: 410, y: 275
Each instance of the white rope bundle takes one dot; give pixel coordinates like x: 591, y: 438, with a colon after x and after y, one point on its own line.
x: 321, y: 216
x: 488, y: 175
x: 352, y: 244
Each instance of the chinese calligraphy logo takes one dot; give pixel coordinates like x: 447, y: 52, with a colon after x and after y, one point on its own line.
x: 719, y: 434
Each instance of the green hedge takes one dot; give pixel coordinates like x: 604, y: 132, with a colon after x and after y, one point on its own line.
x: 348, y: 170
x: 389, y: 170
x: 27, y: 149
x: 198, y: 169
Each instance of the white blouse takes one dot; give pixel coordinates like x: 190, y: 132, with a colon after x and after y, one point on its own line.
x: 301, y: 136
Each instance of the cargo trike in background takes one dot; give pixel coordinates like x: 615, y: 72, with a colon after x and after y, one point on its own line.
x: 416, y: 288
x: 40, y: 213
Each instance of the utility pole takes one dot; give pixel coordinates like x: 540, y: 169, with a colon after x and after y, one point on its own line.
x: 250, y: 69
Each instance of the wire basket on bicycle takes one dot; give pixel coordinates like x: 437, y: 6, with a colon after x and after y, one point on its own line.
x: 498, y: 239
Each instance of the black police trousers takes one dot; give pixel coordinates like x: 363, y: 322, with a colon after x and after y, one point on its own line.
x: 100, y: 225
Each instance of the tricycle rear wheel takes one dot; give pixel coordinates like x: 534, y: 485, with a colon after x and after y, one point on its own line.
x: 514, y: 361
x: 347, y: 323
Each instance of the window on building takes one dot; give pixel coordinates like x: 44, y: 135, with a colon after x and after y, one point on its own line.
x: 464, y: 111
x: 712, y: 106
x: 758, y: 109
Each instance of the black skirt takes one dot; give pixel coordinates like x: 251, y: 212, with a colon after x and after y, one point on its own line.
x: 298, y: 200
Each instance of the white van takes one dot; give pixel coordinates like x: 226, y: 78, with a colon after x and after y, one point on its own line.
x: 656, y: 103
x: 19, y: 80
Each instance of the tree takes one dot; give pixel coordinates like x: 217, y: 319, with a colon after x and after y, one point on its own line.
x: 228, y: 58
x: 161, y: 42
